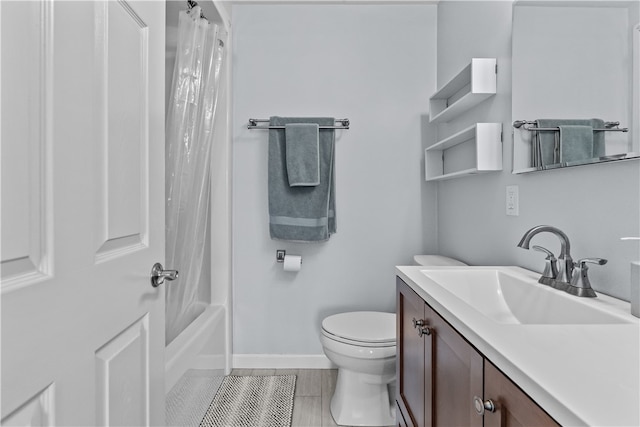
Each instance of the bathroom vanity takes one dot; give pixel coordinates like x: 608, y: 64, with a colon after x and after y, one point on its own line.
x: 436, y: 364
x: 464, y: 359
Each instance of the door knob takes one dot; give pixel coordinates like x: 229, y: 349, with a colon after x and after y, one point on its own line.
x: 159, y: 274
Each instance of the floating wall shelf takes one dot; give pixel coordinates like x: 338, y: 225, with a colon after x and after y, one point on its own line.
x: 487, y: 141
x: 475, y: 83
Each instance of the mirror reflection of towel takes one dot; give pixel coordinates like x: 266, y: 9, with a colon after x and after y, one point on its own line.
x: 576, y: 143
x: 549, y: 145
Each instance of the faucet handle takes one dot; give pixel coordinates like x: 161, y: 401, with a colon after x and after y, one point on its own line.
x: 545, y: 250
x: 580, y: 284
x: 550, y: 272
x: 582, y: 262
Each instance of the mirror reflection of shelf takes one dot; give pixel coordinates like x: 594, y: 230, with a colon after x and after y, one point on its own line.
x: 486, y: 141
x: 475, y: 83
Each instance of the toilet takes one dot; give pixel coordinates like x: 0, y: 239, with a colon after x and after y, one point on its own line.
x: 362, y: 345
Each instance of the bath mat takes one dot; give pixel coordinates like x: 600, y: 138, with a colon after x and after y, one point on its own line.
x: 252, y: 401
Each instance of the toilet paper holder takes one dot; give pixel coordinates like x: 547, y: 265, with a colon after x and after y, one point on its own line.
x: 280, y: 254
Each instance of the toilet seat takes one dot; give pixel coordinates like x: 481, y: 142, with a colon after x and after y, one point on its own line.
x: 357, y: 343
x: 361, y: 328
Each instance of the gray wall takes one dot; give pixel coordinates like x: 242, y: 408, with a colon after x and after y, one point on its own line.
x: 375, y: 65
x: 595, y: 205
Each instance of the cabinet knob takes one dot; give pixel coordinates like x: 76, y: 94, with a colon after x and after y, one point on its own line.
x: 424, y: 330
x: 482, y: 406
x: 417, y: 323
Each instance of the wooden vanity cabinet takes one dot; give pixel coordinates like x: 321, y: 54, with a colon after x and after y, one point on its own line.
x: 410, y: 359
x: 400, y: 422
x: 513, y: 406
x: 439, y: 374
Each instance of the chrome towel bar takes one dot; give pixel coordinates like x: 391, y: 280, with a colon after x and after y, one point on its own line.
x: 253, y: 124
x: 608, y: 126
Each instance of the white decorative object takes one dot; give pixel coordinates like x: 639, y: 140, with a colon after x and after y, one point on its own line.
x: 487, y: 152
x: 475, y: 83
x: 634, y: 296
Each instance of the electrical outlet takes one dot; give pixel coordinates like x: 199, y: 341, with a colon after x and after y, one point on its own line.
x: 513, y: 208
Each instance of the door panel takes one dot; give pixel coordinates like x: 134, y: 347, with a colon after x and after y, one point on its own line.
x: 26, y: 193
x: 38, y: 411
x: 121, y: 380
x: 121, y: 110
x: 83, y: 343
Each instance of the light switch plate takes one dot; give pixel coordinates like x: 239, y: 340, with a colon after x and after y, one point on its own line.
x: 512, y: 201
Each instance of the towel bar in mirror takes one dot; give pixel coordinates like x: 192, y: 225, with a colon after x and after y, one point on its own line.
x: 576, y: 60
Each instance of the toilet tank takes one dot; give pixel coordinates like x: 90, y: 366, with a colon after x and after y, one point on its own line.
x: 437, y: 261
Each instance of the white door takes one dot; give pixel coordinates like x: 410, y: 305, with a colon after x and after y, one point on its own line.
x: 82, y: 86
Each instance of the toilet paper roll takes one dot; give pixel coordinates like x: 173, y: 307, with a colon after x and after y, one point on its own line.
x: 292, y: 262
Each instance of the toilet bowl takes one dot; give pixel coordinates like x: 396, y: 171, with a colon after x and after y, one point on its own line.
x: 363, y: 347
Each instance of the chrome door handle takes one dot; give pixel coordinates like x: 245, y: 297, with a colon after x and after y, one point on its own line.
x: 159, y: 274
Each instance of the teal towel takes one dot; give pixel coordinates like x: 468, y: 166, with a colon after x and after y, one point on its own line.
x: 576, y: 143
x: 301, y: 214
x: 302, y: 151
x: 549, y: 141
x: 598, y: 138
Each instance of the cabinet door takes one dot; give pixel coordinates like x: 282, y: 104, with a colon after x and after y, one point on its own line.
x: 410, y: 360
x: 457, y: 370
x: 400, y: 422
x: 513, y: 406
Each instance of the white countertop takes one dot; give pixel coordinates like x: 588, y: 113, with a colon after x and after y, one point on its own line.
x: 580, y: 374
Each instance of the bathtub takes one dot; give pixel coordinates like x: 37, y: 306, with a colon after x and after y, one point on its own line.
x: 202, y: 345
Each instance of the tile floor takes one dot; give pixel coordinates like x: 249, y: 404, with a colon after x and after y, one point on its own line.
x: 190, y: 398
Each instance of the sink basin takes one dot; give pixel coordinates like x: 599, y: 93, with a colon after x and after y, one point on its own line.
x: 505, y: 297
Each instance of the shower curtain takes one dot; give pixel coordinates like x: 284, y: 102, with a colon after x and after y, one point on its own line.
x: 189, y: 135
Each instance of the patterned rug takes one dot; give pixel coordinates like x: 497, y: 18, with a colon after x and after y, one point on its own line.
x: 252, y: 401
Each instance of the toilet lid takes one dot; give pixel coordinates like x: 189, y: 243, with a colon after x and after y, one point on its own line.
x: 363, y: 326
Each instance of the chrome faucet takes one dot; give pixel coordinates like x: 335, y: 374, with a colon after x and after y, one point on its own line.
x: 562, y: 279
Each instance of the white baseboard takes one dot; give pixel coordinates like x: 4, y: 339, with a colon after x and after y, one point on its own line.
x: 282, y: 361
x: 216, y: 362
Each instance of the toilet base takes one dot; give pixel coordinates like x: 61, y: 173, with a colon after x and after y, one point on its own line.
x: 362, y: 399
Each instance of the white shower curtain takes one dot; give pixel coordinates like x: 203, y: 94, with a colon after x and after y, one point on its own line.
x: 189, y: 134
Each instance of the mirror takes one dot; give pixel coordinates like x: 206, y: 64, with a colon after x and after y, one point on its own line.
x: 574, y: 61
